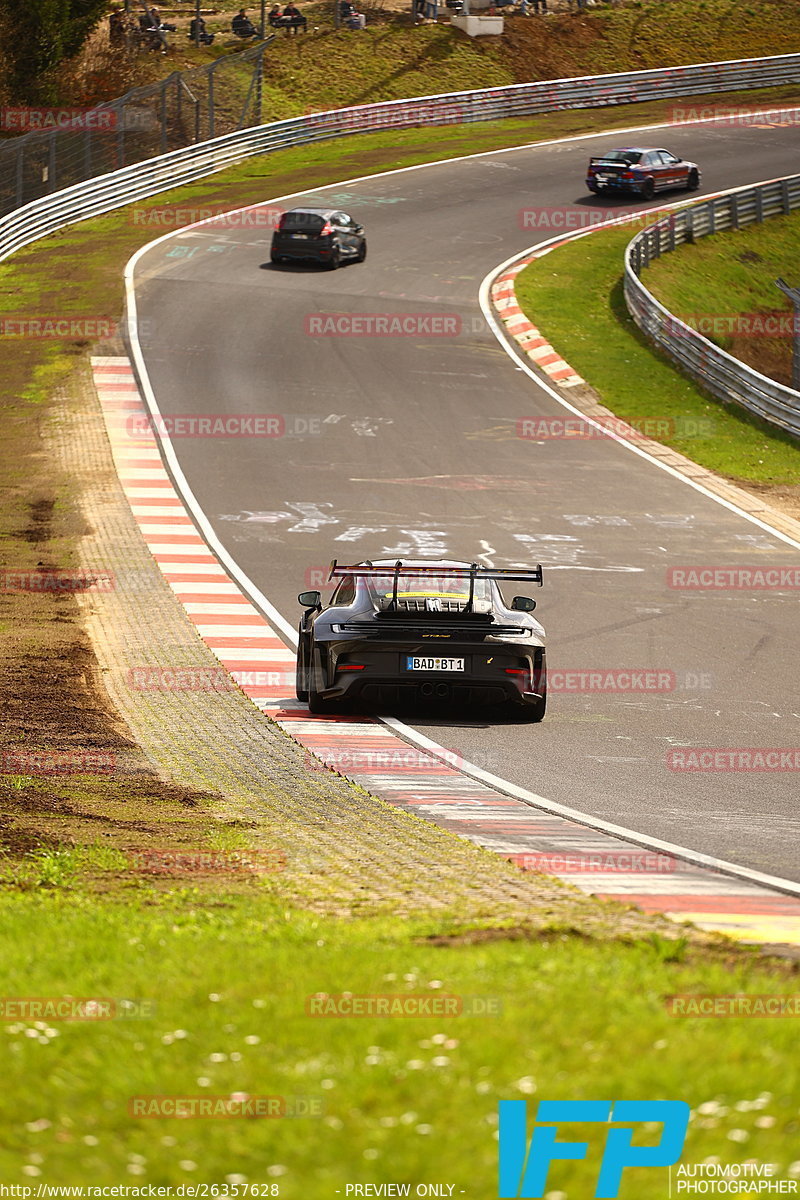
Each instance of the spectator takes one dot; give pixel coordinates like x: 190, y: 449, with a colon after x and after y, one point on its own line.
x: 419, y: 11
x: 154, y: 31
x: 198, y: 32
x: 116, y: 26
x: 293, y: 19
x: 242, y: 26
x: 274, y: 16
x: 540, y: 5
x: 356, y: 20
x: 346, y: 10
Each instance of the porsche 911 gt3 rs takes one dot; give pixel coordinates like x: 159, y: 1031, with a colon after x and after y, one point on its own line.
x: 423, y: 632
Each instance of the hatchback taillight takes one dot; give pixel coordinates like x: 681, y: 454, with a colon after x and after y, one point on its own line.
x: 327, y: 228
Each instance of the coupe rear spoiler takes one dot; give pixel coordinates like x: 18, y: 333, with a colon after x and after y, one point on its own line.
x: 472, y: 572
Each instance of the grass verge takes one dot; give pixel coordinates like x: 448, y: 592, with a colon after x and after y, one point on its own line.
x: 743, y: 265
x: 575, y: 296
x: 216, y: 994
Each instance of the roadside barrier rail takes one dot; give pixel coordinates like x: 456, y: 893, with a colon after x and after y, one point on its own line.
x: 720, y: 373
x: 155, y: 172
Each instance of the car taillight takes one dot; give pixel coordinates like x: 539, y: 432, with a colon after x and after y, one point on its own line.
x: 350, y: 666
x: 326, y: 229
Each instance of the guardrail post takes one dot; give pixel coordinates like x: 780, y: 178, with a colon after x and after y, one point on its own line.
x: 759, y: 197
x: 163, y: 116
x: 51, y: 163
x: 20, y: 176
x: 785, y: 197
x: 211, y: 71
x: 735, y: 210
x: 712, y: 216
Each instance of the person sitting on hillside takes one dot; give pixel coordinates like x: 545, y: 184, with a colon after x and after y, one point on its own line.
x: 293, y: 19
x: 356, y: 20
x: 242, y: 26
x: 198, y: 32
x: 275, y: 17
x: 116, y: 26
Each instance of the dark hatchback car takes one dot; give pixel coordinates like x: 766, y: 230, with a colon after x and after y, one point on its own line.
x: 422, y: 632
x: 643, y: 170
x: 324, y: 235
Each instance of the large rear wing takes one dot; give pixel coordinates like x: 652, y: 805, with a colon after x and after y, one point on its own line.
x: 472, y: 572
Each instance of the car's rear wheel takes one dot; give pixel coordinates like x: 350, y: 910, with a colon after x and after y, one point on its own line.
x: 277, y: 258
x: 648, y: 189
x: 362, y: 254
x: 335, y: 259
x: 693, y: 182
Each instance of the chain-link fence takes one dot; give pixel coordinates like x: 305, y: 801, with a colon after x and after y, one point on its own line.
x: 185, y: 108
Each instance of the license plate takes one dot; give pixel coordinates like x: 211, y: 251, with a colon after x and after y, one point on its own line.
x: 299, y: 235
x: 415, y: 663
x: 602, y: 178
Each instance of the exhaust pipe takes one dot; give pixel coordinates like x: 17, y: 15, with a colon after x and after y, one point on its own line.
x: 426, y: 690
x: 442, y: 691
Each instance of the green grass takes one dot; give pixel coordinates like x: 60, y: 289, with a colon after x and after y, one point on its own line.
x: 403, y: 1099
x: 391, y: 59
x: 574, y: 295
x: 734, y: 273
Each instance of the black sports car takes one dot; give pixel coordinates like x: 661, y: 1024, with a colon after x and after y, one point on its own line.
x: 643, y: 170
x: 422, y: 631
x: 324, y: 235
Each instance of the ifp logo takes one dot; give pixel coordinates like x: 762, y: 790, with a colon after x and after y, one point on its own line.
x: 523, y: 1171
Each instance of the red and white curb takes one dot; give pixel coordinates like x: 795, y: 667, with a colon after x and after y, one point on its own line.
x: 372, y: 754
x: 524, y: 332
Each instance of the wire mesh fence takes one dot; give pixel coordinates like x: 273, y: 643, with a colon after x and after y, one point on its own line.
x: 178, y: 111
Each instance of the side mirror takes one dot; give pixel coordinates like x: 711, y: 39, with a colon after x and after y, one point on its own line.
x: 359, y: 229
x: 310, y: 599
x: 523, y: 604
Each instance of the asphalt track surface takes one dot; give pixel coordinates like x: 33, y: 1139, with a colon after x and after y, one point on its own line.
x: 408, y: 446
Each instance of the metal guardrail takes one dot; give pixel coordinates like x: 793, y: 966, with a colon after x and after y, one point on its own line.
x: 184, y: 108
x: 158, y: 173
x: 720, y: 373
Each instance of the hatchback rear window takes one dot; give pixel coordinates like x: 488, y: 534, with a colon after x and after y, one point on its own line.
x: 302, y: 222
